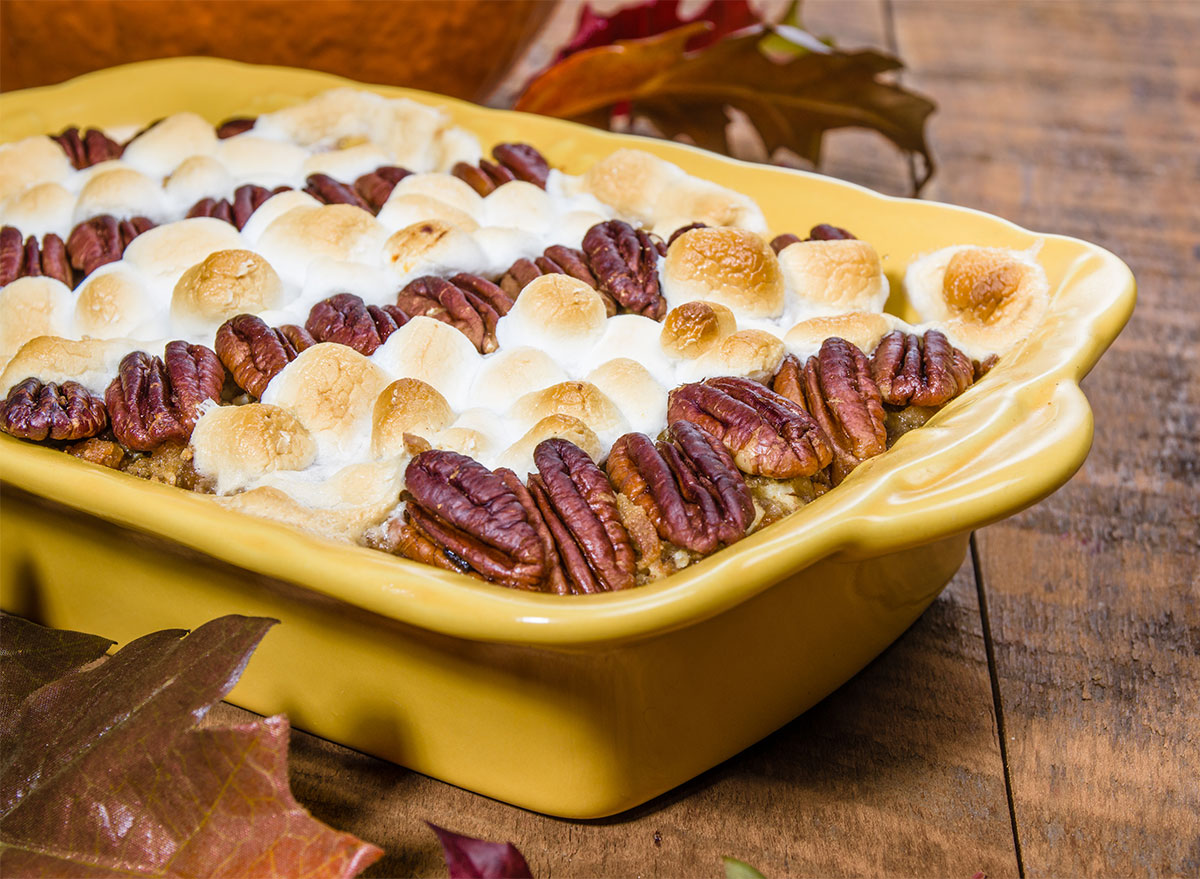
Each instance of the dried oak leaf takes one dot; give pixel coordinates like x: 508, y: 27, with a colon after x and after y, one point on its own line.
x: 792, y: 101
x: 471, y: 858
x: 106, y: 773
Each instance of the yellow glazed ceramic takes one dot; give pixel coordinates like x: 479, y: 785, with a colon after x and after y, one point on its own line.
x: 585, y: 706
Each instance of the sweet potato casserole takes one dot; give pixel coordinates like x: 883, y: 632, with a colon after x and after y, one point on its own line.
x: 342, y: 315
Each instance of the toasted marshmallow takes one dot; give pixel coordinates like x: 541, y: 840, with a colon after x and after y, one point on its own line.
x: 573, y: 225
x: 984, y: 299
x: 332, y: 389
x: 519, y: 456
x: 639, y: 396
x: 336, y: 231
x: 158, y: 150
x: 328, y: 277
x: 634, y: 336
x: 558, y: 314
x: 693, y: 328
x: 252, y: 159
x: 520, y: 205
x: 446, y: 188
x: 453, y: 145
x: 344, y: 524
x: 512, y: 372
x: 433, y: 352
x: 834, y: 277
x: 195, y: 178
x: 503, y: 246
x: 40, y: 209
x: 863, y: 329
x: 236, y: 445
x: 476, y: 433
x: 754, y: 354
x: 165, y: 252
x: 122, y: 192
x: 274, y: 208
x: 732, y: 267
x: 365, y: 489
x: 577, y: 399
x: 114, y: 302
x: 91, y: 362
x: 429, y: 247
x: 32, y: 306
x: 31, y: 161
x: 409, y: 132
x: 632, y: 182
x: 407, y: 406
x: 224, y: 284
x: 346, y: 165
x: 692, y: 200
x: 406, y: 208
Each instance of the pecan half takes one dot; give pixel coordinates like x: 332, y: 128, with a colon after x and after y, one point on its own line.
x: 580, y: 509
x: 625, y: 263
x: 246, y: 200
x: 920, y: 371
x: 683, y: 514
x: 845, y: 401
x: 701, y: 462
x: 237, y: 125
x: 779, y: 242
x: 92, y: 148
x: 326, y: 190
x: 767, y: 434
x: 822, y: 232
x: 555, y: 260
x: 102, y: 240
x: 525, y: 162
x: 39, y: 411
x: 376, y: 187
x: 12, y: 254
x: 254, y: 353
x: 826, y: 232
x: 400, y: 537
x: 789, y: 380
x: 153, y: 400
x: 484, y: 178
x: 467, y: 302
x: 346, y: 320
x: 479, y: 516
x: 514, y: 161
x: 19, y: 260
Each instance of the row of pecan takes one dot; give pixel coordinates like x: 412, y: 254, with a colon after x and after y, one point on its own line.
x: 151, y: 401
x: 254, y: 353
x: 573, y: 528
x: 92, y: 146
x: 91, y: 244
x: 103, y: 239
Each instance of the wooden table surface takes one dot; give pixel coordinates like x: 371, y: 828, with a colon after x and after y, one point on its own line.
x: 1042, y: 717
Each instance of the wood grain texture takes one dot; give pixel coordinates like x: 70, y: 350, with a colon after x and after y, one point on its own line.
x: 896, y: 774
x: 1083, y: 119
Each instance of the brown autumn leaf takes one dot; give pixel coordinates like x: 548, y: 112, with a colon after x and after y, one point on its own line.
x: 104, y: 771
x: 792, y: 98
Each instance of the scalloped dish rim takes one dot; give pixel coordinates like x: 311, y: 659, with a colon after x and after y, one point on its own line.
x: 1010, y: 440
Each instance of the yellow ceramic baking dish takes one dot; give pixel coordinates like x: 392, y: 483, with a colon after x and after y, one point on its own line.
x: 586, y: 706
